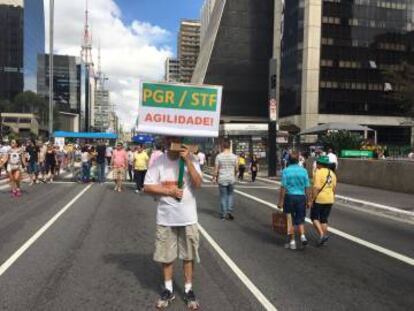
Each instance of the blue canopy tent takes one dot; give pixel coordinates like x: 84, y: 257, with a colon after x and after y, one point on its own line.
x: 85, y: 135
x: 143, y: 139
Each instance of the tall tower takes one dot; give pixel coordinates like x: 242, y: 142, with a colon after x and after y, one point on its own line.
x: 86, y: 52
x: 86, y: 57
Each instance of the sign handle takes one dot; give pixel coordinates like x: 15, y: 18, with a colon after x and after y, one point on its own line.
x: 181, y: 172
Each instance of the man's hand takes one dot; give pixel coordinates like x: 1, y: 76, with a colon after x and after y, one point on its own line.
x: 185, y: 154
x: 175, y: 193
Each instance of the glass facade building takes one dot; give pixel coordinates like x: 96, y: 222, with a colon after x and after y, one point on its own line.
x: 66, y: 81
x: 235, y: 53
x: 34, y: 40
x: 22, y: 38
x: 337, y: 56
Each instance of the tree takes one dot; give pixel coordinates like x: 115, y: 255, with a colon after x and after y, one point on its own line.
x: 402, y: 87
x: 341, y: 140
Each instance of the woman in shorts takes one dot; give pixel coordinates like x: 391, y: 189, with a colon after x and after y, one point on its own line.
x: 15, y: 164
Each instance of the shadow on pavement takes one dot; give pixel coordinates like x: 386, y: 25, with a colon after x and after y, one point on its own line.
x: 141, y: 265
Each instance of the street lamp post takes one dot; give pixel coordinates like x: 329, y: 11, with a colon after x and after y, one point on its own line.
x: 51, y: 25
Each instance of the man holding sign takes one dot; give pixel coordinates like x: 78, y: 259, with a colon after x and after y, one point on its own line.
x: 177, y: 231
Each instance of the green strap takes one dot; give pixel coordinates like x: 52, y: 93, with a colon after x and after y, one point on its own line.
x: 181, y: 169
x: 181, y: 174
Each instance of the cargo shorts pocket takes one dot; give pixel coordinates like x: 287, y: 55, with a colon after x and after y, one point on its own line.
x: 165, y: 245
x: 189, y: 244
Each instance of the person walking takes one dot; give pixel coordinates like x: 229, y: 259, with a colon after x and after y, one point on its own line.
x: 254, y: 168
x: 156, y: 153
x: 324, y: 188
x: 86, y: 165
x: 333, y: 159
x: 101, y: 161
x: 242, y: 166
x: 177, y: 231
x: 119, y: 163
x: 15, y: 163
x: 33, y: 164
x: 109, y: 153
x: 140, y: 167
x: 225, y: 170
x: 202, y: 159
x: 50, y: 163
x: 295, y: 195
x: 130, y: 164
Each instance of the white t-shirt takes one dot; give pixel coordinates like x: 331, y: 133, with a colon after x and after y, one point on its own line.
x: 108, y: 151
x: 333, y: 159
x: 170, y: 212
x: 201, y: 158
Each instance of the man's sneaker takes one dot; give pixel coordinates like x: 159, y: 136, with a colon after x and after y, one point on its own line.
x: 323, y: 240
x: 304, y: 240
x: 191, y: 301
x: 229, y: 216
x: 291, y: 245
x: 165, y: 299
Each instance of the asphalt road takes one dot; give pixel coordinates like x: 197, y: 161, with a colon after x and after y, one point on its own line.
x: 98, y: 255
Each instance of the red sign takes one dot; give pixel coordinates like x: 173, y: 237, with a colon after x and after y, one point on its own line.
x: 273, y: 109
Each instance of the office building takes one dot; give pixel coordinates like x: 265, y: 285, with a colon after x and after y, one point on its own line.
x: 188, y: 48
x: 206, y: 12
x: 22, y: 29
x: 235, y: 53
x: 172, y: 70
x: 66, y: 81
x: 101, y: 111
x: 335, y: 62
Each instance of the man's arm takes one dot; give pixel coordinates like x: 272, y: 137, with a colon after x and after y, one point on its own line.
x: 195, y: 177
x: 216, y: 170
x: 310, y: 195
x: 282, y: 194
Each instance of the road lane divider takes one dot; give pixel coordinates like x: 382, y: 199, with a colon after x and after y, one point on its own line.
x: 358, y: 202
x: 342, y: 234
x: 13, y: 258
x: 267, y: 305
x: 372, y: 246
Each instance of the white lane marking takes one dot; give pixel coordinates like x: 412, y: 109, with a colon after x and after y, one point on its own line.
x: 9, y: 262
x: 376, y: 205
x: 242, y: 187
x: 238, y: 272
x: 357, y: 201
x: 342, y: 234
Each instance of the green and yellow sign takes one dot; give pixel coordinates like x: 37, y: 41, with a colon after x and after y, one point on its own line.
x: 180, y: 109
x: 179, y: 97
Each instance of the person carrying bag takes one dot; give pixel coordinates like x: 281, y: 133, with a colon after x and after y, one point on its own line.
x: 324, y: 188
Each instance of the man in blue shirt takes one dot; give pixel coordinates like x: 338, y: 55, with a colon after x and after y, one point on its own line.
x: 295, y: 197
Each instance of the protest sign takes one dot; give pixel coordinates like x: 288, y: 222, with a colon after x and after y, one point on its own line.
x: 179, y: 109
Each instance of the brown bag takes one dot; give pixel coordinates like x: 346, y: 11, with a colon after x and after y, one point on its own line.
x: 281, y: 222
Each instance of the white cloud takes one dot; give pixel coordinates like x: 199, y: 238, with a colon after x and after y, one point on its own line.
x: 128, y: 52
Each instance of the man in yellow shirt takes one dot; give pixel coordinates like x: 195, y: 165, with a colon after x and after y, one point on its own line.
x: 140, y: 167
x: 324, y: 187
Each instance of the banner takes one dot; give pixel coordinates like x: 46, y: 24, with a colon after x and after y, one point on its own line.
x: 179, y: 109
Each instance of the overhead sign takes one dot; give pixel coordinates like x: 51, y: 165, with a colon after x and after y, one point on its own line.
x: 273, y: 110
x: 179, y: 109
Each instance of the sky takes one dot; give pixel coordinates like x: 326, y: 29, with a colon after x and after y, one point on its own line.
x: 136, y: 36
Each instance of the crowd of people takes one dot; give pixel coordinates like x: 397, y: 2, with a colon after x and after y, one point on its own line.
x: 42, y: 162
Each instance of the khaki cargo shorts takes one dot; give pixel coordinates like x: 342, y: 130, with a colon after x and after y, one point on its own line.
x: 173, y: 242
x: 119, y: 173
